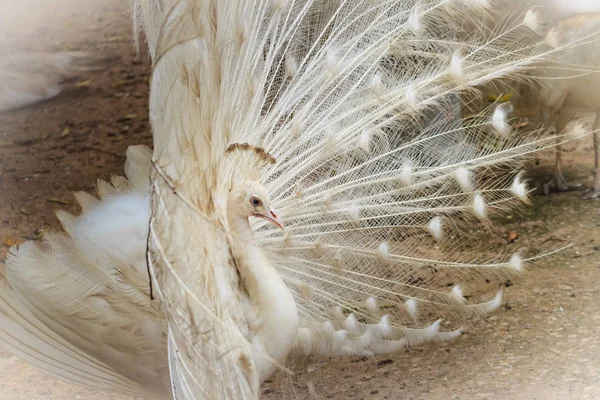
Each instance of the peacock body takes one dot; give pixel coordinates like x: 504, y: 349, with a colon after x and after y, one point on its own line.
x: 568, y: 90
x: 311, y: 180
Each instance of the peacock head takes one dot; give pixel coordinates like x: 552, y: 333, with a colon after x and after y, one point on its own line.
x: 248, y: 197
x: 251, y: 199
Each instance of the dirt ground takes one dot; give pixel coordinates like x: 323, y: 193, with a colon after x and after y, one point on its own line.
x: 544, y: 342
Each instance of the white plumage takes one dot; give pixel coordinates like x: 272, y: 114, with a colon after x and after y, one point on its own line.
x: 80, y: 305
x: 569, y: 88
x: 339, y: 119
x: 28, y: 78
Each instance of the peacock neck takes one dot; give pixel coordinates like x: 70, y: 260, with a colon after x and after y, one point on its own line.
x: 272, y: 317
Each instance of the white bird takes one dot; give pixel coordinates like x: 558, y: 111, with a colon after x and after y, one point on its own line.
x: 29, y: 78
x: 265, y: 113
x: 569, y: 87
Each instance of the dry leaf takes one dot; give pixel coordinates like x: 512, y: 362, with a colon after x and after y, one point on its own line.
x: 10, y: 242
x: 501, y: 99
x: 24, y: 211
x: 119, y: 39
x: 512, y: 236
x: 59, y: 201
x: 45, y: 136
x: 523, y: 122
x: 7, y: 144
x: 65, y: 132
x: 118, y: 84
x: 83, y: 84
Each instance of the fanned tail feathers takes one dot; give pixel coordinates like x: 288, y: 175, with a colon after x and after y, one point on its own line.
x: 378, y: 173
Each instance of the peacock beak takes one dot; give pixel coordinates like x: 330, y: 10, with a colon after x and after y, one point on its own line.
x: 273, y: 217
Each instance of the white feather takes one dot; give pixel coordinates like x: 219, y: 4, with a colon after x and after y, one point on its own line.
x: 372, y: 305
x: 480, y: 206
x: 456, y: 66
x: 411, y: 307
x: 465, y: 179
x: 414, y: 21
x: 499, y: 118
x: 365, y: 141
x: 355, y: 212
x: 351, y: 324
x: 519, y: 189
x: 436, y: 228
x: 552, y: 39
x: 576, y: 129
x: 378, y: 88
x: 406, y: 173
x: 532, y: 21
x: 383, y: 251
x: 516, y: 262
x: 456, y: 295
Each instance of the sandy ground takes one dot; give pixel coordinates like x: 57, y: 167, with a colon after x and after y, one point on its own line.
x: 544, y: 342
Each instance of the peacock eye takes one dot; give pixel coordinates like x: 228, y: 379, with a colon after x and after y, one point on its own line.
x: 255, y: 201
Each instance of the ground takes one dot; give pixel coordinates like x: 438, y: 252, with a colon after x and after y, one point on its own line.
x: 544, y: 342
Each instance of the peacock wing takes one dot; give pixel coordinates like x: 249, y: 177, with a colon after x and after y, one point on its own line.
x: 77, y: 306
x: 188, y: 246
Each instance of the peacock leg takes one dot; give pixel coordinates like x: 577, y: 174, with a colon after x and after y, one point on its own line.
x: 594, y: 191
x: 558, y: 181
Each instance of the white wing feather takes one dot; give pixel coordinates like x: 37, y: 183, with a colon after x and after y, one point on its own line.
x: 79, y: 307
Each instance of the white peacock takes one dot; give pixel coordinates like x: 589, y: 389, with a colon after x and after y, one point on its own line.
x: 310, y: 114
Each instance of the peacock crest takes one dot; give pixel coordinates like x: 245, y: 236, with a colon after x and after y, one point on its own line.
x: 248, y: 160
